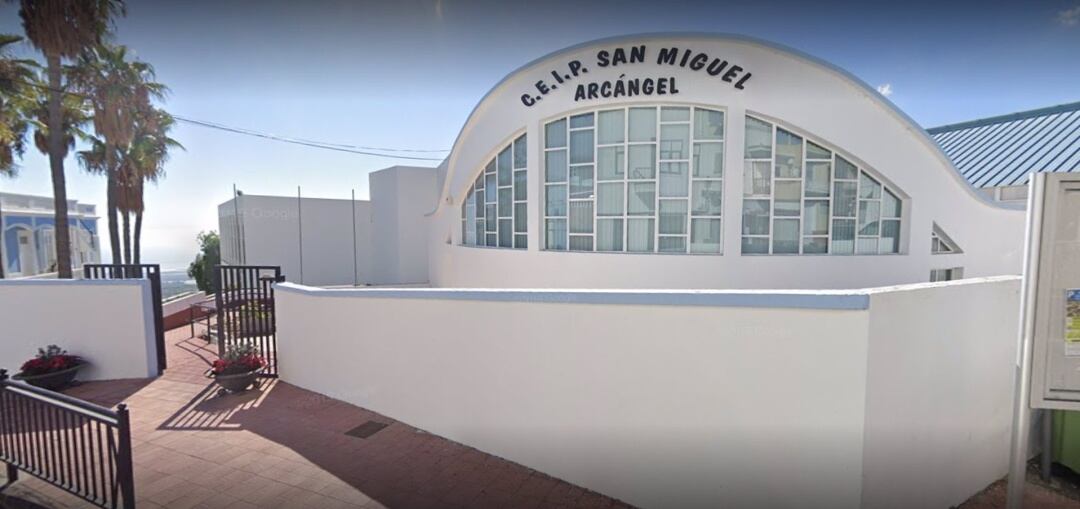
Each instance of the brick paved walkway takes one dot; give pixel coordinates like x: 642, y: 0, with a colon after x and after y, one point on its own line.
x: 281, y: 446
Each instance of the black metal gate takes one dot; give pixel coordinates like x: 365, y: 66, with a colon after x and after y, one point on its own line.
x: 245, y: 307
x: 152, y: 272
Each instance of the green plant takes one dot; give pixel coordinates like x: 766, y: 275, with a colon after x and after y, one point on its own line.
x: 238, y: 359
x: 209, y: 256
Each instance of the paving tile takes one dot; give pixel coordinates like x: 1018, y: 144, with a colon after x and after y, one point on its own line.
x: 282, y: 446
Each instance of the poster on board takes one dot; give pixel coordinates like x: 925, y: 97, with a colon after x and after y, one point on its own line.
x: 1072, y: 322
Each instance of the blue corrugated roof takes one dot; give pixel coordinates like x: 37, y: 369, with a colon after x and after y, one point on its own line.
x: 1001, y: 151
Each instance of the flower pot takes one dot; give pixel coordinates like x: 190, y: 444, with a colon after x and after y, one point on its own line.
x: 236, y: 382
x: 52, y: 381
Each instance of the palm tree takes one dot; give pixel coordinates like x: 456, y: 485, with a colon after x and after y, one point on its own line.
x: 16, y: 76
x: 63, y: 29
x: 147, y: 156
x: 118, y: 90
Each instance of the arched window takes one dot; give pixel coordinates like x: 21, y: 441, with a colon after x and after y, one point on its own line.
x: 493, y: 212
x: 800, y: 197
x: 635, y: 179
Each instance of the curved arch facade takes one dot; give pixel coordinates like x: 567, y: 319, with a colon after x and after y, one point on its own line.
x: 831, y: 136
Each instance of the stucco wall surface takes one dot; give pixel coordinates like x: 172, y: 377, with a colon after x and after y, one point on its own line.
x: 109, y: 323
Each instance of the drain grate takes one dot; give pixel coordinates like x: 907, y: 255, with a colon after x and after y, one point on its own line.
x: 366, y: 429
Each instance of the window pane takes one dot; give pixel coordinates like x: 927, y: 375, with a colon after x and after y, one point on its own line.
x: 818, y: 175
x: 555, y: 134
x: 785, y: 236
x: 672, y: 216
x: 491, y: 213
x: 581, y: 181
x: 583, y: 120
x: 479, y: 181
x: 521, y: 190
x: 581, y: 217
x: 609, y: 199
x: 708, y: 125
x: 788, y: 198
x: 492, y: 239
x: 868, y: 187
x: 520, y: 150
x: 706, y: 198
x: 641, y: 198
x: 581, y: 146
x: 757, y: 178
x: 643, y: 161
x: 479, y: 233
x: 867, y: 245
x: 890, y: 236
x: 869, y: 213
x: 815, y: 245
x: 674, y: 142
x: 555, y: 236
x: 705, y: 236
x: 816, y: 217
x: 843, y: 236
x: 709, y: 160
x: 758, y: 139
x: 521, y: 241
x: 815, y: 151
x: 642, y: 124
x: 609, y: 234
x: 755, y: 245
x: 788, y: 154
x: 506, y: 233
x: 672, y: 244
x: 674, y: 179
x: 639, y: 235
x: 506, y: 176
x: 844, y: 200
x: 556, y: 201
x: 581, y: 243
x: 491, y: 189
x: 555, y: 166
x: 610, y: 163
x: 890, y: 205
x: 610, y: 127
x: 755, y: 217
x: 674, y: 114
x: 845, y: 170
x: 506, y: 202
x: 521, y: 215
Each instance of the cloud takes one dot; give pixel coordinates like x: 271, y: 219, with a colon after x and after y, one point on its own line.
x: 1069, y: 17
x: 885, y: 89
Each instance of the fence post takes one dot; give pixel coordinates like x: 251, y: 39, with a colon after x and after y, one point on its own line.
x: 125, y: 469
x: 12, y: 470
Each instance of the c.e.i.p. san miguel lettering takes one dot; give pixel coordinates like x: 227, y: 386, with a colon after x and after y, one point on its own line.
x: 624, y: 86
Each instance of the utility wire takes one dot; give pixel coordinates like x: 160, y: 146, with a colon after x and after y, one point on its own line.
x: 352, y: 149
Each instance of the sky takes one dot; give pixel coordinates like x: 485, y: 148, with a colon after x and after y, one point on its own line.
x: 406, y: 74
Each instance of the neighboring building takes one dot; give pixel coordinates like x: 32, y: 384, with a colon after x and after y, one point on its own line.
x: 329, y: 242
x: 997, y: 154
x: 698, y: 161
x: 29, y: 234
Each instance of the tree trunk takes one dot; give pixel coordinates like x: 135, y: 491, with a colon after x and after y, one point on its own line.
x: 3, y: 239
x: 56, y: 166
x: 114, y: 229
x: 127, y: 237
x: 138, y: 238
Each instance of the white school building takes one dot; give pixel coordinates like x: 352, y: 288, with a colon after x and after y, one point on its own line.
x: 677, y: 161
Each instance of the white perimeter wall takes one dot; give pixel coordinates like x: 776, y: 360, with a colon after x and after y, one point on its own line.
x: 892, y: 397
x: 939, y: 391
x: 402, y: 196
x: 109, y: 323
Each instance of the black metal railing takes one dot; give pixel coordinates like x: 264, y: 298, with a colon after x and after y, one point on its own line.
x: 152, y: 272
x: 245, y: 309
x: 80, y: 447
